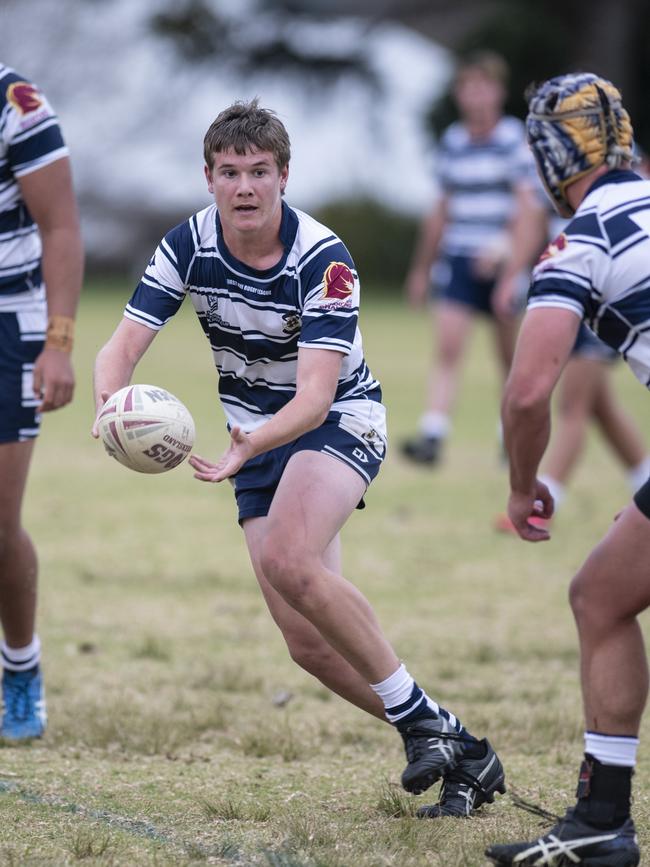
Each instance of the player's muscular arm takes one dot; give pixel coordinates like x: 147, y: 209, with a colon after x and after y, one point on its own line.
x: 544, y: 344
x: 117, y: 360
x: 317, y: 378
x: 49, y: 196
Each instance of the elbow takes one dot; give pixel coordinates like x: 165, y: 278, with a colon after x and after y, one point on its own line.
x: 320, y: 414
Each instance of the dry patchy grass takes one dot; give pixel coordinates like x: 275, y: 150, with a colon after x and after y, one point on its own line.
x: 166, y: 745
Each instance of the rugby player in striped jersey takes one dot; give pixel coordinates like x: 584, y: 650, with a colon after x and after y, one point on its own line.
x: 597, y: 272
x: 277, y: 296
x: 41, y: 264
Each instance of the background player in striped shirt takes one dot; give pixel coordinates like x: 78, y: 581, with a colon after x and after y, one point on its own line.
x: 277, y: 296
x: 598, y: 272
x: 41, y: 263
x: 486, y: 178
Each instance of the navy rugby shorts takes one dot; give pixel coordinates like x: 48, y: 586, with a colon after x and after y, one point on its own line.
x: 587, y: 345
x: 453, y: 279
x: 340, y: 436
x: 21, y: 340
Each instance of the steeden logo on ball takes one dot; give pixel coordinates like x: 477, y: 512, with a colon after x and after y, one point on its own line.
x: 146, y: 428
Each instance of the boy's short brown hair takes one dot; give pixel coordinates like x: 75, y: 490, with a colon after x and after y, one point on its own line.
x: 491, y: 64
x: 243, y: 127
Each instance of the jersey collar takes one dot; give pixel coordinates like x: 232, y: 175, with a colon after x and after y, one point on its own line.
x: 614, y: 176
x: 288, y: 231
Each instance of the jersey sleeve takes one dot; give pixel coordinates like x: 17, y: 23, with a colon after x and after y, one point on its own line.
x: 571, y: 269
x: 163, y: 287
x: 330, y: 298
x: 522, y: 165
x: 443, y: 164
x: 29, y: 127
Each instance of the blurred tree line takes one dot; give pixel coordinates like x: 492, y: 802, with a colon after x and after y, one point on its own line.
x: 538, y: 39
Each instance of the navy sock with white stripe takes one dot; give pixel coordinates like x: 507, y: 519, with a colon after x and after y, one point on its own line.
x: 405, y: 702
x: 21, y: 658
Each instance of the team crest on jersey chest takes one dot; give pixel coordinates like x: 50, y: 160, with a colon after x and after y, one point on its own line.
x: 213, y: 316
x: 291, y: 323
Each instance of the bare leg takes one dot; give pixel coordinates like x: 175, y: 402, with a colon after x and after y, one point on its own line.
x: 18, y: 565
x: 505, y: 335
x: 607, y: 594
x: 452, y: 327
x: 315, y: 497
x: 617, y: 426
x: 307, y: 647
x: 580, y: 383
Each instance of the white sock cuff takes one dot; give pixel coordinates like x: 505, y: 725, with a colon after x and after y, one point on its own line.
x: 435, y: 424
x: 21, y: 658
x: 612, y: 749
x: 396, y: 689
x: 557, y: 489
x: 637, y: 476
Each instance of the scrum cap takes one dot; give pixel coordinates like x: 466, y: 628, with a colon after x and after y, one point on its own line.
x: 575, y: 124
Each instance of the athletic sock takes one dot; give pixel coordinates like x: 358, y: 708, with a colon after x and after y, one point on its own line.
x: 556, y: 489
x: 405, y: 702
x: 637, y: 476
x: 612, y: 749
x: 21, y: 658
x: 435, y: 425
x: 605, y: 784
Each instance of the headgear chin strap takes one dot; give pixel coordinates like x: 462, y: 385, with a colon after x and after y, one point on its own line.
x: 575, y: 124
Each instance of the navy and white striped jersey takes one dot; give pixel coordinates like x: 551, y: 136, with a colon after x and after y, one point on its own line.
x: 30, y: 138
x: 479, y: 179
x: 257, y: 320
x: 599, y: 267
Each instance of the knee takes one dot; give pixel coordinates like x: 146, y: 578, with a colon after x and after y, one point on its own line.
x: 449, y: 353
x: 579, y: 598
x: 315, y: 657
x: 289, y: 569
x: 593, y: 611
x: 9, y: 533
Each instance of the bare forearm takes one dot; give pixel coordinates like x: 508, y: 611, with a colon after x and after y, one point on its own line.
x: 526, y: 435
x: 300, y: 415
x: 528, y: 232
x: 428, y: 243
x: 113, y: 370
x: 62, y: 265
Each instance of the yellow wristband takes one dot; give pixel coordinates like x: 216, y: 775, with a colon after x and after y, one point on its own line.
x: 60, y: 333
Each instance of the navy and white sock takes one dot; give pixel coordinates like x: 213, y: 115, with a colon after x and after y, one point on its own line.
x: 605, y: 784
x: 616, y: 750
x: 404, y: 701
x: 21, y: 658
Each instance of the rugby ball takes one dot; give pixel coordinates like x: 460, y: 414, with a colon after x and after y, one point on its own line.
x: 146, y: 428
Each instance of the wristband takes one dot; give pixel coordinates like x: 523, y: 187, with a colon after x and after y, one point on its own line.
x: 60, y: 333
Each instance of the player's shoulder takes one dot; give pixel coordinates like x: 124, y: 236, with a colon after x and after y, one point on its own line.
x: 314, y: 239
x: 455, y: 136
x: 19, y: 92
x: 510, y: 131
x: 198, y: 230
x: 615, y: 190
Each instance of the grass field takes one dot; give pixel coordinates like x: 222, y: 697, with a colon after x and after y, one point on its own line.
x: 180, y: 732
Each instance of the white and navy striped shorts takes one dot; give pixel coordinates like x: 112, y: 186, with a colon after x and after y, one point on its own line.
x: 22, y: 336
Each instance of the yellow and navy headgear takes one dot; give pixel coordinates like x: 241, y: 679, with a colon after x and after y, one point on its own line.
x: 576, y: 123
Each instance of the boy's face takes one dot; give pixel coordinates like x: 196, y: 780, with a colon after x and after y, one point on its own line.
x: 247, y: 189
x: 475, y: 92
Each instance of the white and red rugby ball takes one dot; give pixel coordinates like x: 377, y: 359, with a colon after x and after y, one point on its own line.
x: 146, y: 428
